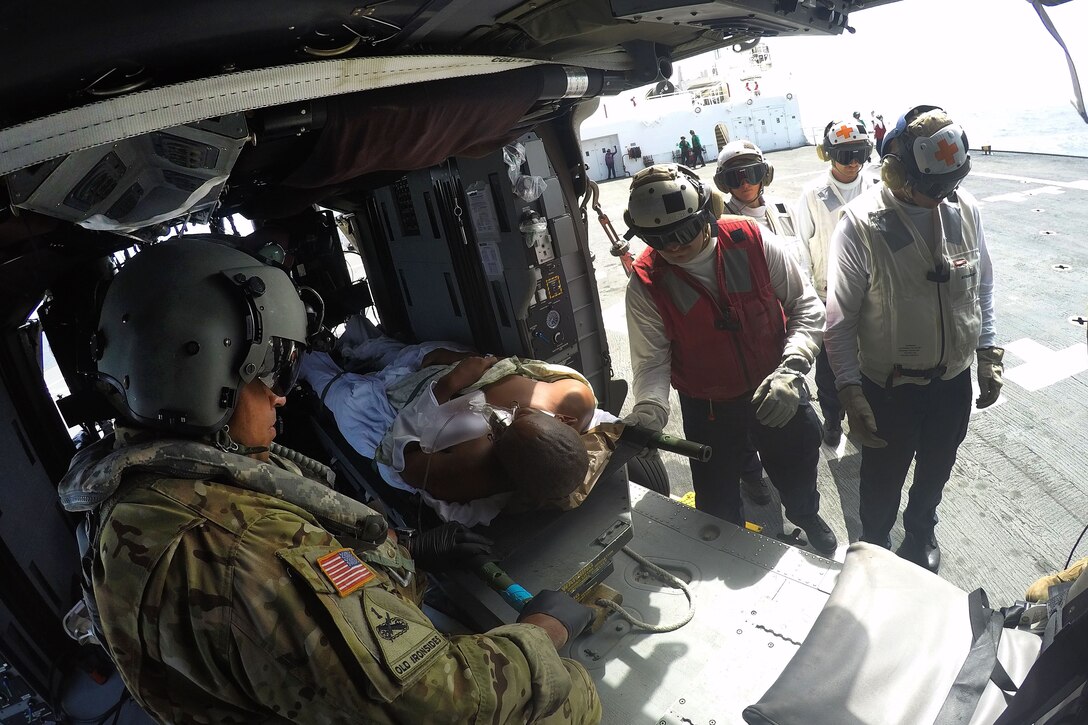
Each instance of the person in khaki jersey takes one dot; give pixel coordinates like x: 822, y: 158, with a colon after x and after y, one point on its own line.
x: 227, y: 579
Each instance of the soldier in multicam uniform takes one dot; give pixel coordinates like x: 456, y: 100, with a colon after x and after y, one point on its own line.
x: 232, y: 586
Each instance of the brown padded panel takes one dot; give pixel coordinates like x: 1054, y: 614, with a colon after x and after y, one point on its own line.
x: 389, y: 130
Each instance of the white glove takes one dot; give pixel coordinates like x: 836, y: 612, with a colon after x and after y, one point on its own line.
x: 990, y: 369
x: 862, y: 420
x: 648, y: 414
x: 777, y: 397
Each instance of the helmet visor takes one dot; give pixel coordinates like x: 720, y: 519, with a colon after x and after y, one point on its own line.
x: 940, y: 186
x: 847, y: 155
x: 676, y: 235
x: 938, y: 190
x: 281, y: 365
x: 739, y: 176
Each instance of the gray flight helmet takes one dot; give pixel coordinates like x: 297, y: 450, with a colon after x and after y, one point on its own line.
x: 187, y: 323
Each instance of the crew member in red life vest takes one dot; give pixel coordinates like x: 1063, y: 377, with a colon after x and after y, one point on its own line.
x: 909, y: 308
x: 724, y: 314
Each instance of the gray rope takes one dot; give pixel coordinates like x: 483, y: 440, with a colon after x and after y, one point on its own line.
x: 668, y: 579
x: 304, y: 462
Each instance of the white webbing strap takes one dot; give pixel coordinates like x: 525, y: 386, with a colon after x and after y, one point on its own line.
x: 1078, y: 103
x: 135, y: 114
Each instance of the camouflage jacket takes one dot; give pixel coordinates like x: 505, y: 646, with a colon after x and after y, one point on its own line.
x: 222, y: 603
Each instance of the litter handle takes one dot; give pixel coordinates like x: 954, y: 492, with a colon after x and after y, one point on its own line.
x: 512, y: 593
x: 684, y: 447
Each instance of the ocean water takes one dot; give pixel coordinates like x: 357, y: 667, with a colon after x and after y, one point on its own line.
x: 1045, y: 130
x: 1012, y: 125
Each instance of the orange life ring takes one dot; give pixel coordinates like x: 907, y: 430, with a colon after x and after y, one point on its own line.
x: 752, y: 86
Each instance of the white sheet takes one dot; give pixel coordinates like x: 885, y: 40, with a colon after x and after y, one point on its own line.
x: 362, y: 411
x: 363, y: 414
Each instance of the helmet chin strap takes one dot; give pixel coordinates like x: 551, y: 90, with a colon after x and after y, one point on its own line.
x: 222, y: 440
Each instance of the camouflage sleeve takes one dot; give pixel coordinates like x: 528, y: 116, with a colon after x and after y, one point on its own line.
x: 320, y: 636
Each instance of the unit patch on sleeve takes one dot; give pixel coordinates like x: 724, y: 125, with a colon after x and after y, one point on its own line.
x: 407, y: 640
x: 344, y: 569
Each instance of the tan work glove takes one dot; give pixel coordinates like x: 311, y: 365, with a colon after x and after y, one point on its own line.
x: 862, y: 420
x: 777, y: 397
x: 989, y: 373
x: 1040, y: 590
x: 648, y: 414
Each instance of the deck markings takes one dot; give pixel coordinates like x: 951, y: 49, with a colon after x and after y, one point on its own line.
x: 1018, y: 196
x: 1081, y: 184
x: 1043, y: 366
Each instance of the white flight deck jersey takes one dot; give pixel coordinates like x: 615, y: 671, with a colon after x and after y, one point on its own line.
x: 775, y: 216
x: 818, y: 211
x: 922, y: 311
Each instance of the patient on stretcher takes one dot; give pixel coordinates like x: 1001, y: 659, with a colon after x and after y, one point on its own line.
x: 471, y: 434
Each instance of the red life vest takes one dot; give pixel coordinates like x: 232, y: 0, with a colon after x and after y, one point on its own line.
x: 722, y: 348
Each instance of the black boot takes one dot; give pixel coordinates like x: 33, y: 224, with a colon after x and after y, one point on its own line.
x: 756, y: 489
x: 819, y: 533
x: 922, y: 549
x: 832, y: 432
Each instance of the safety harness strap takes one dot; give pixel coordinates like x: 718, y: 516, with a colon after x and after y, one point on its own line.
x: 1049, y: 25
x: 980, y: 667
x: 1052, y: 685
x: 899, y: 371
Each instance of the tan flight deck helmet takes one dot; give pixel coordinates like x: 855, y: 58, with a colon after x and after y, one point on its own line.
x: 927, y: 152
x: 668, y: 204
x: 187, y: 323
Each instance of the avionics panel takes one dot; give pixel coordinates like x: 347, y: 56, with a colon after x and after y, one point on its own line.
x: 472, y: 261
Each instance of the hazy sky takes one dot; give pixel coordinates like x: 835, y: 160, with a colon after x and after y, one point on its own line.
x: 958, y: 54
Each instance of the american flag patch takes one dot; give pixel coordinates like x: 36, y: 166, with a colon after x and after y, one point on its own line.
x: 345, y: 571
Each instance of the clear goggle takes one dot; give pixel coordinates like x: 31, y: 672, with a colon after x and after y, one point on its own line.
x: 280, y: 368
x: 739, y: 176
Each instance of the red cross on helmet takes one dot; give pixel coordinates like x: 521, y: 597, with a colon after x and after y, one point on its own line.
x: 846, y: 142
